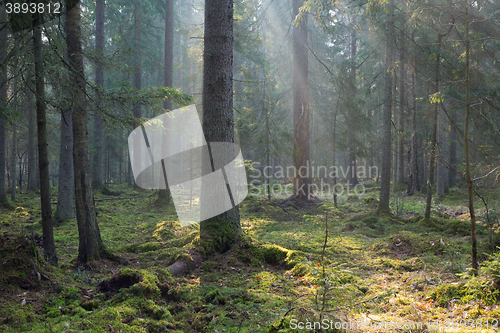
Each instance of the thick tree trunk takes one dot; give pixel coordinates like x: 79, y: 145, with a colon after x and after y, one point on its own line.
x: 385, y: 183
x: 164, y: 195
x: 90, y: 246
x: 301, y: 151
x: 43, y: 158
x: 98, y: 165
x: 220, y: 232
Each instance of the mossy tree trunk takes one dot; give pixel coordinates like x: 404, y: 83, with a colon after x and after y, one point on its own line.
x: 220, y: 232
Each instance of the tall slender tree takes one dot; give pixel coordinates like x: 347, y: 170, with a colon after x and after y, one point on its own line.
x: 301, y: 151
x: 385, y: 183
x: 43, y: 155
x: 164, y: 195
x: 401, y: 118
x: 98, y: 165
x: 468, y: 176
x: 3, y: 99
x: 413, y: 181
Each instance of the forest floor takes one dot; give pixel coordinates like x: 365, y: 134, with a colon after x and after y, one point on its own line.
x: 359, y: 272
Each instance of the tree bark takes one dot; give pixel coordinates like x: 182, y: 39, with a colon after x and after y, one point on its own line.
x: 402, y: 79
x: 31, y: 136
x: 353, y: 176
x: 98, y: 165
x: 466, y: 142
x: 385, y: 183
x: 301, y: 151
x: 13, y: 164
x: 164, y: 195
x: 3, y: 100
x: 453, y: 149
x: 220, y: 232
x: 433, y: 157
x: 66, y: 188
x: 90, y: 246
x: 413, y: 181
x: 43, y: 155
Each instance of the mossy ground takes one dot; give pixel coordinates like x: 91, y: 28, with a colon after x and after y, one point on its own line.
x: 396, y: 268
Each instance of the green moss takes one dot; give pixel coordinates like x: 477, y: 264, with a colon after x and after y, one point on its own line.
x: 134, y: 274
x: 444, y: 293
x: 294, y: 257
x: 219, y: 233
x: 300, y: 269
x: 412, y: 264
x: 155, y: 311
x: 271, y: 254
x: 149, y: 283
x: 90, y: 305
x: 147, y: 247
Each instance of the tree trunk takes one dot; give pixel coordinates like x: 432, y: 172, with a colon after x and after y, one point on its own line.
x: 3, y: 100
x: 13, y: 162
x: 385, y: 183
x: 66, y: 188
x: 442, y: 144
x: 43, y: 155
x: 179, y: 42
x: 301, y: 159
x: 413, y: 181
x: 31, y: 136
x: 466, y: 141
x: 98, y: 165
x: 137, y: 111
x: 220, y: 232
x: 353, y: 177
x: 13, y: 166
x: 453, y: 149
x: 432, y: 165
x: 90, y: 246
x: 402, y: 79
x: 164, y: 195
